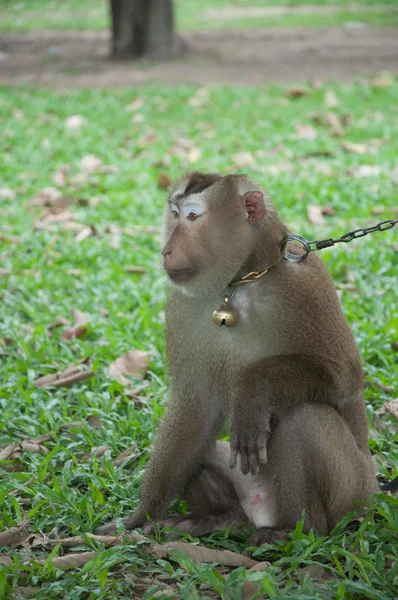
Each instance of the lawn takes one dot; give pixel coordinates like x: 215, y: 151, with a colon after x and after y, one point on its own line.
x: 94, y: 14
x: 80, y: 253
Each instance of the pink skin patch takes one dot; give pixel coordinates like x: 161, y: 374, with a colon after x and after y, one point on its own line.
x: 256, y: 499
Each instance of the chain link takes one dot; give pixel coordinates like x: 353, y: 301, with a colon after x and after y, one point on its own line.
x: 329, y: 242
x: 351, y: 235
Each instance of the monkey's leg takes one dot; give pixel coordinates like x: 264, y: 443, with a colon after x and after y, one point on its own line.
x: 212, y: 499
x: 185, y: 435
x: 314, y: 463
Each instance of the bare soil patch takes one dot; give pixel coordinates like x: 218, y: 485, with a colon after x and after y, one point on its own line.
x: 224, y: 57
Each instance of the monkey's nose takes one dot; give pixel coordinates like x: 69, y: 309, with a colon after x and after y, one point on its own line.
x: 166, y: 252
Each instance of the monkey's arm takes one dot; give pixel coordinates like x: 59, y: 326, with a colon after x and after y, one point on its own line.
x: 279, y: 383
x: 183, y: 438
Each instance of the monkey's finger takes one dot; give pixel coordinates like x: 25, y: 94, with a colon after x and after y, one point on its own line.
x: 262, y: 449
x: 244, y: 460
x: 233, y: 456
x: 253, y: 459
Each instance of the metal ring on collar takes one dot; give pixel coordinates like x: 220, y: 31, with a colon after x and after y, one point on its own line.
x: 297, y: 238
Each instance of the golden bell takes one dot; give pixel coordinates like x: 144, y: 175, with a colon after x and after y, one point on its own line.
x: 225, y: 315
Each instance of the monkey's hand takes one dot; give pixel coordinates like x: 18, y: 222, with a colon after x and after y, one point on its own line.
x: 249, y: 441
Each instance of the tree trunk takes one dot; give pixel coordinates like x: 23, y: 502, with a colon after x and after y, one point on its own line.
x: 142, y: 29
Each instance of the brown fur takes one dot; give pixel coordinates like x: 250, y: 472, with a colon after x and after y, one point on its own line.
x: 287, y: 379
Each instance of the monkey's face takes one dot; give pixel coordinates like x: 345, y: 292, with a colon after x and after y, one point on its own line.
x: 208, y: 231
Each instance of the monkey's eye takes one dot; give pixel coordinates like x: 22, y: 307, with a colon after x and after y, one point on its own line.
x: 192, y: 216
x: 175, y: 214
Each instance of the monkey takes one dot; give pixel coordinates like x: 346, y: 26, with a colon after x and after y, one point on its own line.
x: 286, y: 379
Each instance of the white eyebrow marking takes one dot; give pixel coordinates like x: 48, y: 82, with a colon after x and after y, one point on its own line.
x: 196, y: 206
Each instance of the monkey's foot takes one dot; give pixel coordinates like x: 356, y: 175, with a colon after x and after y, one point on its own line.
x: 267, y: 535
x: 196, y: 526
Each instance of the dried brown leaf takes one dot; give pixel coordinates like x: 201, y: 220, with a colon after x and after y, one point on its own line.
x: 392, y: 407
x: 243, y: 159
x: 328, y: 210
x: 70, y: 334
x: 135, y: 105
x: 354, y: 148
x: 298, y: 92
x: 136, y: 270
x: 7, y: 194
x: 65, y: 378
x: 365, y: 171
x: 99, y: 451
x: 6, y: 560
x: 305, y: 132
x: 164, y: 181
x: 58, y: 322
x: 77, y: 560
x: 90, y: 164
x: 10, y: 536
x: 202, y: 554
x: 75, y: 122
x: 382, y: 81
x: 7, y: 451
x: 84, y: 233
x: 333, y: 120
x: 29, y: 446
x: 94, y: 421
x: 122, y: 457
x: 79, y: 317
x: 314, y: 214
x: 133, y: 363
x: 250, y: 588
x: 4, y: 272
x: 331, y: 100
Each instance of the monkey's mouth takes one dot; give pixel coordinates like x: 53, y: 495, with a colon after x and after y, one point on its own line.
x: 180, y: 275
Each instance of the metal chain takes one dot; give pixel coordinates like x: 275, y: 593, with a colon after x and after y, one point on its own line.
x: 329, y: 242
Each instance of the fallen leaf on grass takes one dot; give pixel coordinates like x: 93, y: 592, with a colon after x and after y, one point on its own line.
x: 29, y: 446
x: 71, y: 334
x: 60, y: 176
x: 305, y: 132
x: 6, y: 560
x: 298, y: 92
x: 79, y: 317
x: 164, y: 181
x: 99, y: 451
x: 382, y: 81
x: 70, y: 376
x: 136, y: 270
x: 94, y: 421
x: 122, y: 457
x: 380, y: 210
x: 135, y: 105
x: 84, y: 233
x: 90, y: 163
x: 10, y: 536
x: 250, y: 588
x: 6, y: 452
x: 75, y: 122
x: 328, y: 210
x: 7, y: 194
x: 11, y: 239
x: 392, y: 408
x: 58, y: 322
x: 314, y: 214
x: 243, y: 159
x: 333, y: 120
x: 365, y: 171
x: 354, y: 148
x: 4, y: 272
x: 331, y: 100
x: 133, y: 363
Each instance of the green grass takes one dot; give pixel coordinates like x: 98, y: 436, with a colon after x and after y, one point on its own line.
x: 94, y: 14
x: 69, y: 494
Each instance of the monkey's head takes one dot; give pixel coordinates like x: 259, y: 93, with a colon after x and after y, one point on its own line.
x: 211, y: 227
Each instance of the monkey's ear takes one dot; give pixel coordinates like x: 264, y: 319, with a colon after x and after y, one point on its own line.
x: 255, y: 206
